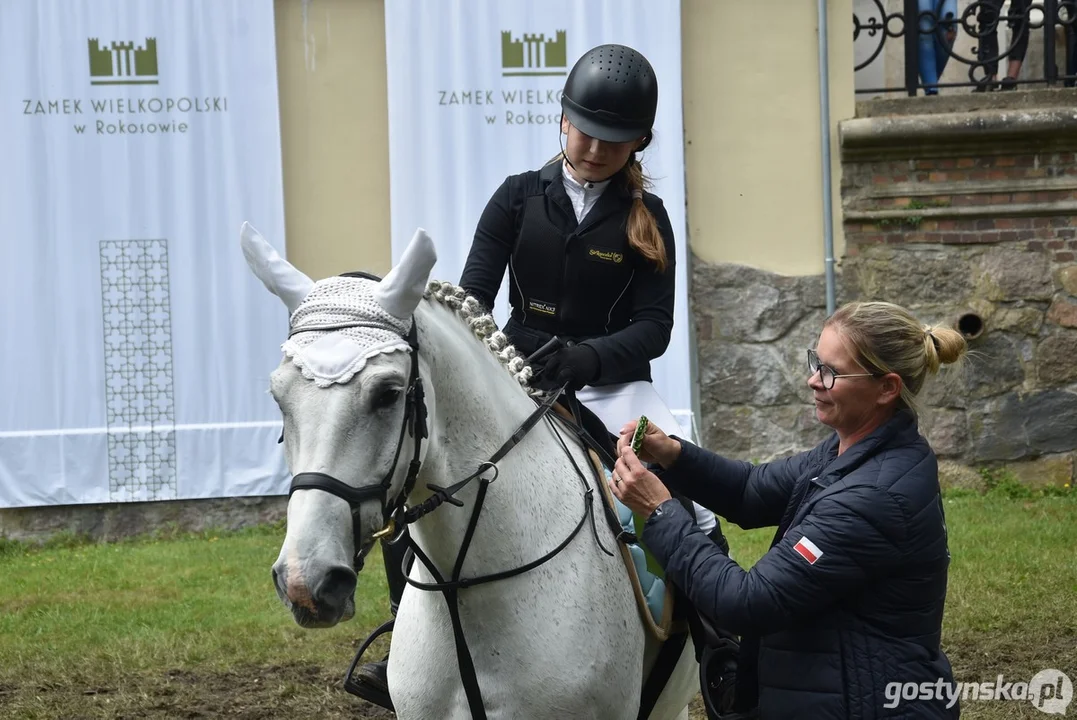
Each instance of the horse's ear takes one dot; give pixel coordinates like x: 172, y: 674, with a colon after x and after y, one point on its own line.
x: 278, y: 275
x: 401, y: 290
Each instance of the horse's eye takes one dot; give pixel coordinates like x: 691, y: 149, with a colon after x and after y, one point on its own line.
x: 387, y: 398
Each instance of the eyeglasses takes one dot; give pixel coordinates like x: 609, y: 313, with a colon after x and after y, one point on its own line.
x: 827, y: 374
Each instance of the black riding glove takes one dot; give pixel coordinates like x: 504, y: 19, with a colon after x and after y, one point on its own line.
x: 577, y: 365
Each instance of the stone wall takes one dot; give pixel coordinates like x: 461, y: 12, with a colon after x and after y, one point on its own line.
x: 964, y: 211
x: 752, y: 331
x: 117, y: 520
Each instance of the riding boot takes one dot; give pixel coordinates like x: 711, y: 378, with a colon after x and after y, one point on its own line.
x: 376, y: 673
x: 393, y: 556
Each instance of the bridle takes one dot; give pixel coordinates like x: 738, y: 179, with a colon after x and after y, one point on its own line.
x: 415, y: 416
x: 397, y: 516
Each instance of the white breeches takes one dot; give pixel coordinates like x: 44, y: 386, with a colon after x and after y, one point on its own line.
x: 618, y: 404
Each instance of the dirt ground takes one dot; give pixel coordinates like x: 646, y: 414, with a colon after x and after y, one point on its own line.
x: 240, y: 693
x: 298, y: 692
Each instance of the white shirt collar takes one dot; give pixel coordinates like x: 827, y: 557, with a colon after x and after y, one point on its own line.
x: 595, y: 187
x: 583, y: 195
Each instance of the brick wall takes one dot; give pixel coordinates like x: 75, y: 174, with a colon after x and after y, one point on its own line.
x: 1006, y: 198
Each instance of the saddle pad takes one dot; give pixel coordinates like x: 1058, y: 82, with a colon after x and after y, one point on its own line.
x: 653, y: 597
x: 653, y: 587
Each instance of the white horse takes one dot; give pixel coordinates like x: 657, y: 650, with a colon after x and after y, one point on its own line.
x: 561, y: 640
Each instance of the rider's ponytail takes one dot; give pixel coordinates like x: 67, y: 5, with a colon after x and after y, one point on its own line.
x: 643, y: 234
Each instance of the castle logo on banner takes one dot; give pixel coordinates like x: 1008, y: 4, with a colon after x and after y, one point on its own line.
x: 534, y: 55
x: 536, y: 65
x: 122, y: 64
x: 119, y: 109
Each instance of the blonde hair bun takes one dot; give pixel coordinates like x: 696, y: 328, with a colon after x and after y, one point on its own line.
x: 947, y: 344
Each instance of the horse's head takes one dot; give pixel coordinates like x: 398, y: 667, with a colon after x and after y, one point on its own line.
x: 350, y: 392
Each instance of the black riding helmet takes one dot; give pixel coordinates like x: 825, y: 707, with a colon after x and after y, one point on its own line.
x: 612, y: 94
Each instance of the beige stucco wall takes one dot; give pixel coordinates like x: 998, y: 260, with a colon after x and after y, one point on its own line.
x: 751, y: 121
x: 751, y: 116
x: 334, y: 134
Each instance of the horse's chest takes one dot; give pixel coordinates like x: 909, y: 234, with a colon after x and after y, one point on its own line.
x: 541, y: 649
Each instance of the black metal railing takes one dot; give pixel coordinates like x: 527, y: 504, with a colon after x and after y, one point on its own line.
x: 930, y: 34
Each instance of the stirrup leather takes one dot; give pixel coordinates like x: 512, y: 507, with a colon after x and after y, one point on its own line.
x: 355, y: 685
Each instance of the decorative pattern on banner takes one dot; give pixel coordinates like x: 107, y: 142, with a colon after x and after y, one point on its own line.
x: 138, y: 347
x: 138, y: 370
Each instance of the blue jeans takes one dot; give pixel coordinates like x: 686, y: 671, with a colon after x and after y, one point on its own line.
x: 933, y: 52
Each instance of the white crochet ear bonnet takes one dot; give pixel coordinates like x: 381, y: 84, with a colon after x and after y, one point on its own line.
x: 377, y: 314
x: 335, y: 355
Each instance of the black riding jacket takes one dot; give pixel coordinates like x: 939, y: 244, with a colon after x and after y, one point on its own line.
x: 579, y: 281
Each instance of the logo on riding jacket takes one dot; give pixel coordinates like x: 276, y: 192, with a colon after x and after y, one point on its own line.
x: 541, y: 307
x: 610, y: 256
x: 808, y: 550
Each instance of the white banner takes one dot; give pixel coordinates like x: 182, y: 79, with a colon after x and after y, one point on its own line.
x: 137, y: 136
x: 474, y: 96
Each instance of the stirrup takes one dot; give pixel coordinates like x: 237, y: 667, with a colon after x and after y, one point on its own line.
x: 355, y: 685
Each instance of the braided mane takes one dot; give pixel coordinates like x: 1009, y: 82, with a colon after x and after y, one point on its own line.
x: 482, y: 324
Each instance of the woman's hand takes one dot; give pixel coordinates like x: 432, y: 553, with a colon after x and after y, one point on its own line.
x: 636, y: 486
x: 657, y: 447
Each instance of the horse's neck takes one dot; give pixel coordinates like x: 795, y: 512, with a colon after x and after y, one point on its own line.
x: 478, y: 405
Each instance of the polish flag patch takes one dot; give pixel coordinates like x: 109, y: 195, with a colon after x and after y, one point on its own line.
x: 808, y: 550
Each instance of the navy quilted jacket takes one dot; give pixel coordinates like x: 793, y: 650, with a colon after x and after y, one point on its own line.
x: 849, y: 597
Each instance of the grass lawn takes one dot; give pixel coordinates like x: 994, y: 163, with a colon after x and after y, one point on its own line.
x: 189, y: 625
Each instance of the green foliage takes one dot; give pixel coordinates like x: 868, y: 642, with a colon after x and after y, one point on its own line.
x: 1001, y: 482
x: 912, y: 220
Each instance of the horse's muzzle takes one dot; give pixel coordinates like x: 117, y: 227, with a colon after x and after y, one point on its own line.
x: 331, y: 601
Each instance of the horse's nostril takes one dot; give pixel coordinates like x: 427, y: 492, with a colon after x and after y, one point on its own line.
x: 279, y: 584
x: 335, y: 588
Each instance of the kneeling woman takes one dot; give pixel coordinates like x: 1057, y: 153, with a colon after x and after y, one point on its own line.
x: 850, y: 596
